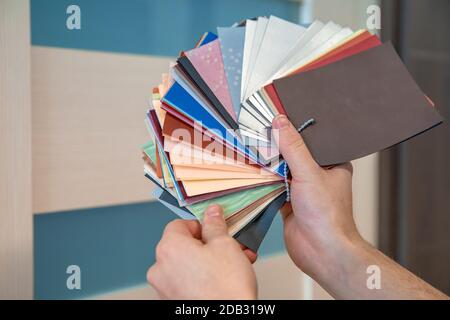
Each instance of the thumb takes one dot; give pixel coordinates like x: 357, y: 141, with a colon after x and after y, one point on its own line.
x: 293, y: 148
x: 214, y: 224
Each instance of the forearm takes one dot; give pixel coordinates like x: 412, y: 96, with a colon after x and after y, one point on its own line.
x: 346, y: 275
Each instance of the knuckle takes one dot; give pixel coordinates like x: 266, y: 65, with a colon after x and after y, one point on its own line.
x: 151, y: 276
x: 161, y: 251
x: 172, y: 225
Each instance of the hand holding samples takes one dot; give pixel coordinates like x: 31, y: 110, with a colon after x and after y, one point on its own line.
x: 210, y: 120
x: 196, y: 261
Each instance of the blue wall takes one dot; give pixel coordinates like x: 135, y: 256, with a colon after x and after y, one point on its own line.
x: 156, y: 27
x: 114, y: 245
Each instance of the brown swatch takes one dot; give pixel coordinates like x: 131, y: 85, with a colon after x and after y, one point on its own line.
x: 362, y: 104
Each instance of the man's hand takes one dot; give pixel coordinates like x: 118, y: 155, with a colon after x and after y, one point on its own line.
x: 321, y: 236
x: 321, y: 200
x: 202, y: 262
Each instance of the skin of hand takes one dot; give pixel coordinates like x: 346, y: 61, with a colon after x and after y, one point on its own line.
x: 320, y: 233
x: 321, y: 200
x: 204, y: 262
x: 196, y: 261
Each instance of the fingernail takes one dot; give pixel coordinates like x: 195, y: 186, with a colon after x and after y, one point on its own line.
x: 213, y: 211
x: 280, y: 122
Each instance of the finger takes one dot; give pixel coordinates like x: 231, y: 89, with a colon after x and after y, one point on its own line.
x: 155, y: 278
x: 251, y: 255
x: 293, y: 148
x: 177, y: 235
x: 195, y: 228
x: 286, y: 210
x: 179, y: 227
x: 214, y: 224
x: 345, y: 167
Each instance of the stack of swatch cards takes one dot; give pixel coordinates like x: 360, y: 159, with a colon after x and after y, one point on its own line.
x: 210, y: 118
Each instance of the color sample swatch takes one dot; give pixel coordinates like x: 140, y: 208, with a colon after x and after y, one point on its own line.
x: 210, y: 118
x: 232, y: 46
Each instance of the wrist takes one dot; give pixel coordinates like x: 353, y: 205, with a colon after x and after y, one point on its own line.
x: 337, y: 258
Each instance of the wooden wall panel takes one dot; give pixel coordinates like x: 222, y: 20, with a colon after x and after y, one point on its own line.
x: 16, y: 227
x: 365, y: 197
x: 89, y: 106
x: 88, y: 124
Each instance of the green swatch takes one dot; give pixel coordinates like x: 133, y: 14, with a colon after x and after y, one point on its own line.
x: 233, y: 202
x: 150, y: 150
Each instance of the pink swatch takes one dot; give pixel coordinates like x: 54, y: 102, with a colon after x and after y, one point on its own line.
x: 207, y: 60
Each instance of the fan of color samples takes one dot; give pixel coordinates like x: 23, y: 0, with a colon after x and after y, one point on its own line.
x: 210, y: 118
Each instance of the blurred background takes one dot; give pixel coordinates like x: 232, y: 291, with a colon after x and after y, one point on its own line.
x: 72, y: 103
